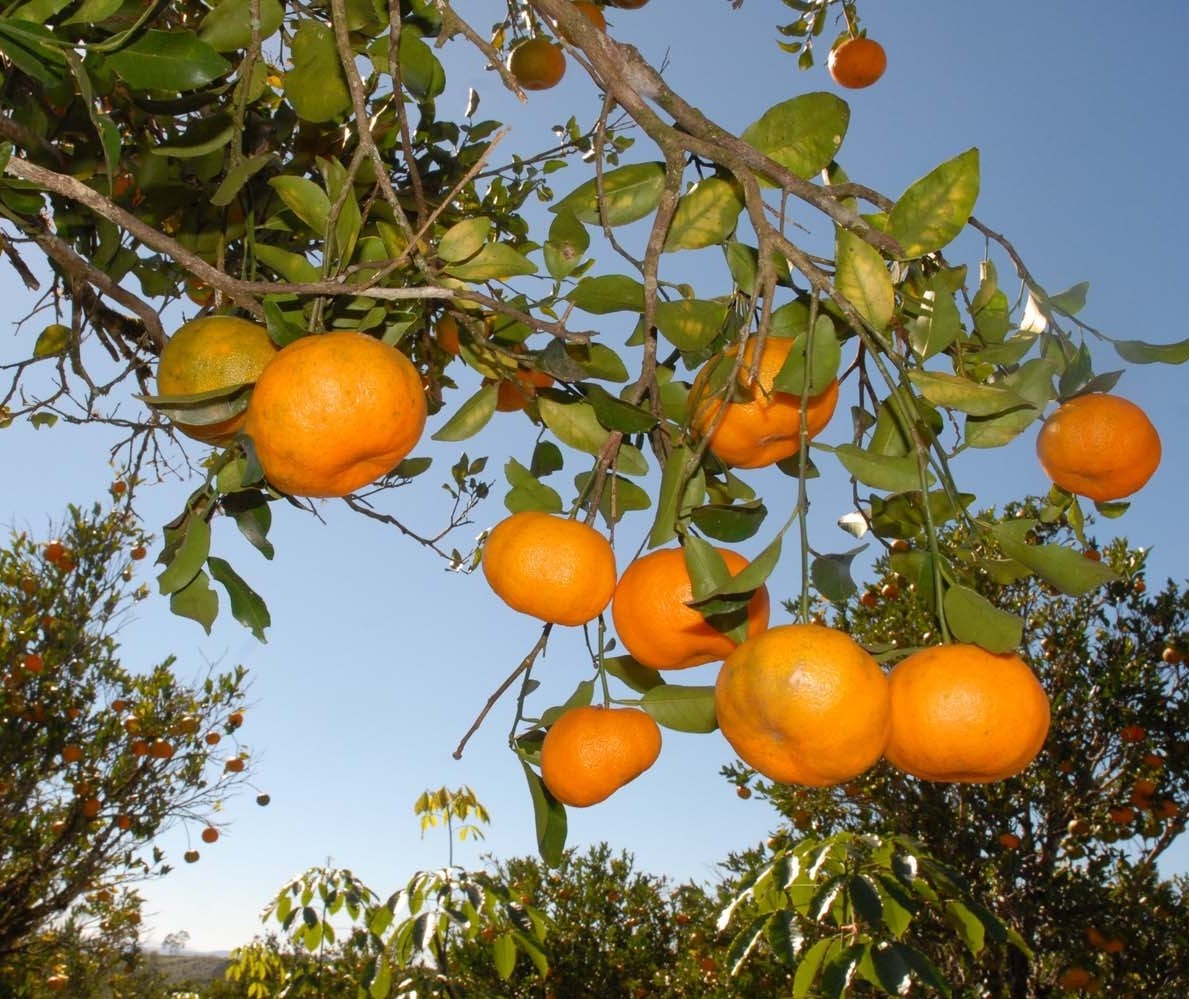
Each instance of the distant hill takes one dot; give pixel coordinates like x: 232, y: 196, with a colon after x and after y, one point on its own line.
x: 188, y: 969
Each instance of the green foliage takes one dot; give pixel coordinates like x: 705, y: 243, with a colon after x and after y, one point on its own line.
x: 96, y: 761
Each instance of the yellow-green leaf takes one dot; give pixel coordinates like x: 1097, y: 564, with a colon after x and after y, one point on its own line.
x: 863, y: 277
x: 935, y: 208
x: 629, y: 193
x: 705, y: 215
x: 803, y: 134
x: 316, y: 86
x: 52, y: 340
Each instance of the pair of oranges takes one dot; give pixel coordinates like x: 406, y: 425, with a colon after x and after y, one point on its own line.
x: 801, y: 703
x: 329, y: 413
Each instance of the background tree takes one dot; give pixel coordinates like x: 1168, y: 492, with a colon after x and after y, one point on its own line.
x: 1066, y: 853
x: 96, y: 759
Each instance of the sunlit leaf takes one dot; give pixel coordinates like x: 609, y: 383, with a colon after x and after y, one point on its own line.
x: 862, y: 277
x: 956, y: 392
x: 608, y: 293
x: 246, y: 605
x: 316, y: 86
x: 228, y: 25
x: 684, y: 709
x: 1033, y: 381
x: 464, y: 239
x: 1068, y: 570
x: 197, y: 601
x: 706, y: 214
x: 494, y: 262
x: 629, y: 193
x: 690, y: 324
x: 1141, y: 352
x: 173, y: 60
x: 471, y: 417
x: 305, y: 199
x: 52, y: 341
x: 189, y: 557
x: 879, y: 471
x: 803, y: 134
x: 936, y: 208
x: 973, y: 618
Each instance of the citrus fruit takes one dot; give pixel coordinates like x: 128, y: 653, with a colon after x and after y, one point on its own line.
x: 446, y: 332
x: 591, y: 752
x: 627, y: 4
x: 763, y: 426
x: 518, y: 391
x: 654, y: 622
x: 215, y: 352
x: 558, y: 570
x: 960, y: 713
x: 857, y: 63
x: 804, y: 704
x: 333, y: 412
x: 1099, y: 446
x: 537, y: 63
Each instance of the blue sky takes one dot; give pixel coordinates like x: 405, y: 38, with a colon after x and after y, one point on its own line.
x: 378, y: 659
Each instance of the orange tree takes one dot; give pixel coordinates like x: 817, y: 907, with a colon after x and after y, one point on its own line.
x: 290, y: 165
x: 1066, y: 853
x: 95, y: 760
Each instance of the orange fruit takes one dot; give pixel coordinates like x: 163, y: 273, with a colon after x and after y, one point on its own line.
x: 627, y: 4
x: 591, y: 752
x: 1075, y: 978
x: 857, y: 63
x: 1009, y: 841
x: 234, y: 765
x: 334, y: 412
x: 763, y: 426
x: 1099, y: 446
x: 960, y: 713
x: 71, y: 753
x: 804, y: 704
x: 1133, y: 733
x: 215, y: 352
x: 210, y: 834
x: 446, y: 333
x: 654, y: 622
x: 537, y: 63
x: 519, y: 390
x: 558, y: 570
x: 33, y: 663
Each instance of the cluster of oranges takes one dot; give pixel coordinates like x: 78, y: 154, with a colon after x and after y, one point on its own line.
x: 801, y: 703
x: 538, y: 63
x: 328, y: 414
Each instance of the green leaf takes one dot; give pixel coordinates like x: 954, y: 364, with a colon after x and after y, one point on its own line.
x: 677, y: 495
x: 603, y: 363
x: 201, y: 409
x: 1072, y: 300
x: 956, y: 392
x: 744, y: 942
x: 864, y: 896
x: 640, y: 678
x: 827, y: 358
x: 706, y: 215
x: 94, y: 12
x: 168, y: 60
x: 52, y: 341
x: 494, y: 262
x: 253, y: 517
x: 938, y: 324
x: 936, y: 208
x: 690, y: 324
x: 33, y: 49
x: 290, y: 266
x: 573, y: 423
x: 683, y: 709
x: 784, y: 935
x: 893, y: 474
x: 546, y: 458
x: 471, y: 417
x: 550, y: 817
x: 464, y: 239
x: 1033, y: 382
x: 421, y: 71
x: 305, y: 199
x: 608, y: 293
x: 236, y: 177
x: 863, y: 277
x: 969, y: 926
x: 973, y: 618
x: 730, y: 522
x: 503, y: 954
x: 890, y: 971
x: 620, y: 496
x: 629, y: 194
x: 316, y: 86
x: 831, y: 575
x: 809, y: 966
x: 246, y: 605
x: 803, y: 134
x: 567, y: 244
x: 1141, y: 352
x: 527, y: 493
x: 615, y: 414
x: 228, y: 26
x: 1068, y: 570
x: 197, y: 601
x: 189, y: 556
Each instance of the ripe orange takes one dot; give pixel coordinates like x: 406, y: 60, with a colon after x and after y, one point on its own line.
x: 857, y: 63
x: 446, y: 333
x: 764, y: 426
x: 71, y: 753
x: 1009, y: 841
x: 555, y: 569
x: 654, y: 622
x: 1133, y: 733
x: 537, y: 63
x: 210, y: 834
x: 215, y: 352
x: 627, y: 4
x: 161, y: 749
x: 960, y: 713
x: 804, y: 704
x: 519, y: 390
x: 334, y: 412
x: 1099, y: 446
x: 33, y: 662
x: 1075, y: 978
x: 591, y: 752
x: 234, y: 765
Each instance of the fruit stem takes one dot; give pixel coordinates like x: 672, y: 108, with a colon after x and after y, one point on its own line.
x: 803, y: 462
x: 599, y: 665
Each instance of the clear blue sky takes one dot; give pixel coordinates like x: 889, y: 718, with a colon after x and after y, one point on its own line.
x: 378, y: 659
